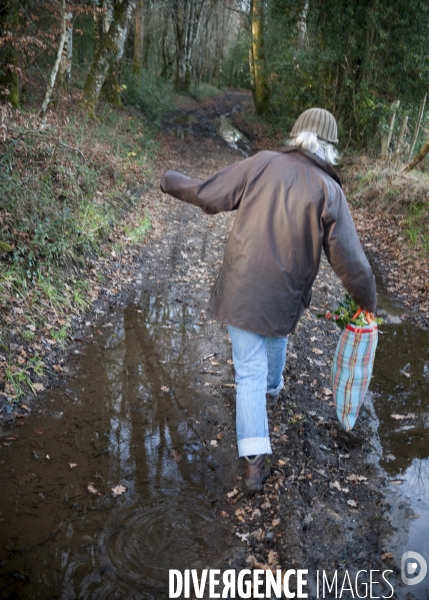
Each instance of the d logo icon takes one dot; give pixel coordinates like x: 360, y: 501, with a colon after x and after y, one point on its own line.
x: 411, y: 562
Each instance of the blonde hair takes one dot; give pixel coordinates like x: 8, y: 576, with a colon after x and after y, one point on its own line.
x: 308, y: 140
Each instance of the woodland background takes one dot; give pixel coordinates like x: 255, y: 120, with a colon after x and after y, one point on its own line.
x: 355, y: 58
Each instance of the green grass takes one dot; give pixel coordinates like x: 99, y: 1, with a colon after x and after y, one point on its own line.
x: 60, y: 208
x: 137, y: 232
x: 377, y: 187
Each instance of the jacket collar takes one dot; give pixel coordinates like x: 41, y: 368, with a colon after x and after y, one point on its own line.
x: 316, y: 159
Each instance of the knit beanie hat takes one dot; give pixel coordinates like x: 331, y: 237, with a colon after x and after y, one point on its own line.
x: 319, y: 120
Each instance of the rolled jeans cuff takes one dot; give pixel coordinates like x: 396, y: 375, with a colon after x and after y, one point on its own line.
x: 278, y: 388
x: 254, y: 446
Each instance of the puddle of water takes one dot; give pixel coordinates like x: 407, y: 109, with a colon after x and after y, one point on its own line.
x: 135, y: 415
x: 400, y: 385
x: 231, y: 135
x: 182, y: 126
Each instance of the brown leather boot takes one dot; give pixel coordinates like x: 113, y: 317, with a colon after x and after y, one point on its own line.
x: 256, y: 471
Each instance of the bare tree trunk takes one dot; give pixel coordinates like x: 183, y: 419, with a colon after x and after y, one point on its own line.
x: 258, y: 65
x: 167, y: 60
x: 418, y: 124
x: 148, y: 33
x: 56, y: 66
x: 64, y: 74
x: 302, y: 26
x: 138, y: 39
x: 110, y: 51
x: 9, y: 71
x: 187, y: 16
x: 98, y: 26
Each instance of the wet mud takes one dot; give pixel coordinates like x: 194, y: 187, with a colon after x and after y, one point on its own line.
x: 127, y: 468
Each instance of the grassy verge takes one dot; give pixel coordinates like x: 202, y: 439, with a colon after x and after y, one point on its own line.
x: 403, y: 197
x: 72, y: 193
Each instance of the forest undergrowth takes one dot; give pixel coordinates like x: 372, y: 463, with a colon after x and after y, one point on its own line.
x: 73, y: 201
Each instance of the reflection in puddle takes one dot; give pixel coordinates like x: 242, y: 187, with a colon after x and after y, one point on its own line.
x: 401, y: 388
x: 134, y: 416
x: 231, y: 135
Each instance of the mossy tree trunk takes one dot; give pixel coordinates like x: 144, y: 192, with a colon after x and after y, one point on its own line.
x: 9, y: 78
x: 138, y: 42
x: 258, y: 68
x: 110, y: 51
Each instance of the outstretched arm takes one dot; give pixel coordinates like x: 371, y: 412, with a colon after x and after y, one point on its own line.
x: 222, y: 191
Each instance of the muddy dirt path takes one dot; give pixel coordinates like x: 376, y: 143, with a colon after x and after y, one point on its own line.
x: 128, y: 468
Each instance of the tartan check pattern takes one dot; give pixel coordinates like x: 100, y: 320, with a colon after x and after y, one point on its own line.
x: 351, y: 371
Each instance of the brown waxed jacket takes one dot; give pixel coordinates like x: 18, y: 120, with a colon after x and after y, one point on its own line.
x: 289, y: 206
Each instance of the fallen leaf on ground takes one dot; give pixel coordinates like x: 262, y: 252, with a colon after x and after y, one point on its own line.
x: 259, y: 534
x: 118, y: 490
x: 387, y: 555
x: 400, y: 417
x: 317, y: 351
x: 337, y: 486
x: 354, y: 477
x: 93, y: 490
x: 273, y: 557
x: 38, y: 387
x: 233, y: 493
x: 244, y: 537
x: 164, y: 388
x: 176, y: 456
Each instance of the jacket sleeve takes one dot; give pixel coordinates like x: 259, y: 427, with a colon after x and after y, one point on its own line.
x: 222, y: 191
x: 344, y: 250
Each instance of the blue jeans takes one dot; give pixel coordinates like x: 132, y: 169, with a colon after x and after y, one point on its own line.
x: 259, y: 362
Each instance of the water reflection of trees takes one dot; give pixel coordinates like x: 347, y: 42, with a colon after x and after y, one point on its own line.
x: 417, y: 476
x: 148, y: 352
x: 400, y: 383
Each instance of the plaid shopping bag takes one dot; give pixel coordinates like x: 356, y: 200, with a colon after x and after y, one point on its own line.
x: 352, y: 369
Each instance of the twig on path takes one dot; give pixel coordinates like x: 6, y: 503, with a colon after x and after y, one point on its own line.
x: 207, y: 357
x: 72, y: 148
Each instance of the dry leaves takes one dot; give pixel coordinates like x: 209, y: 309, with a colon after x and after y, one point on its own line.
x: 401, y: 417
x: 93, y: 490
x: 118, y: 490
x: 176, y: 456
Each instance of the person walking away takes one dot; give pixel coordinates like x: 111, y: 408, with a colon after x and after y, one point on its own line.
x: 290, y: 206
